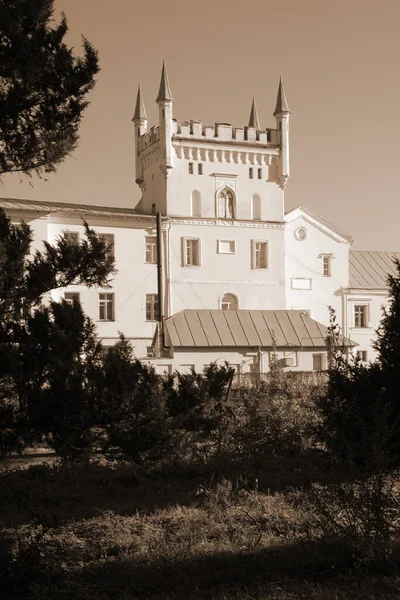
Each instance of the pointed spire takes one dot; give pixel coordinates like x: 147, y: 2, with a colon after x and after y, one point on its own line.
x: 281, y: 102
x: 140, y: 111
x: 254, y: 120
x: 164, y: 93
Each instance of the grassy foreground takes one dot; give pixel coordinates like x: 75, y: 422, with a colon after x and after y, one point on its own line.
x: 110, y: 531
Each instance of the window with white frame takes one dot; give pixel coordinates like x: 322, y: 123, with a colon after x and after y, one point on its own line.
x: 186, y: 369
x: 190, y: 168
x: 225, y: 204
x: 226, y: 246
x: 151, y: 307
x: 191, y: 252
x: 200, y: 168
x: 71, y: 297
x: 318, y: 362
x: 151, y: 250
x: 326, y: 265
x: 360, y: 315
x: 229, y: 302
x: 301, y: 283
x: 163, y: 369
x: 362, y: 355
x: 108, y: 238
x: 259, y: 254
x: 106, y: 307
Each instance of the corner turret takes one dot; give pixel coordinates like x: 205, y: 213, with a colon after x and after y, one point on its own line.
x: 140, y: 122
x: 165, y: 101
x: 282, y: 115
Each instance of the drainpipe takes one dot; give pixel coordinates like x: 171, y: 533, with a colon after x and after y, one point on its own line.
x: 160, y: 317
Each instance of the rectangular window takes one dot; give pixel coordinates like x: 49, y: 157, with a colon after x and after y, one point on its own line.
x: 163, y: 369
x: 259, y: 173
x: 190, y: 168
x: 326, y: 265
x: 317, y: 362
x: 260, y: 254
x: 301, y: 283
x: 71, y: 297
x: 250, y: 173
x: 151, y: 307
x: 108, y: 238
x: 226, y: 247
x: 106, y: 307
x: 191, y: 251
x: 151, y: 250
x: 362, y: 355
x: 186, y: 369
x: 72, y: 236
x: 360, y: 315
x: 200, y: 169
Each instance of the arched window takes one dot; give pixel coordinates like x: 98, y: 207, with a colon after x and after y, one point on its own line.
x: 256, y: 207
x: 229, y: 302
x: 225, y: 204
x: 195, y: 203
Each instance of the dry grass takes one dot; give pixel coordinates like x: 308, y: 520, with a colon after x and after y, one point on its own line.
x: 108, y: 531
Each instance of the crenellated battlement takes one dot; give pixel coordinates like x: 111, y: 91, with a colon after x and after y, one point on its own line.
x: 224, y: 132
x: 149, y: 138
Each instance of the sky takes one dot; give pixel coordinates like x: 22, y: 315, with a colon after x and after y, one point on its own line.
x: 340, y: 65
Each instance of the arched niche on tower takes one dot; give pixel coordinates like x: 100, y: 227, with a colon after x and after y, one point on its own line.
x: 256, y: 207
x: 195, y: 203
x: 225, y: 201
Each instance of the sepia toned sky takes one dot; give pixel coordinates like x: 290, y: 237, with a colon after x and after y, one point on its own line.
x: 340, y: 65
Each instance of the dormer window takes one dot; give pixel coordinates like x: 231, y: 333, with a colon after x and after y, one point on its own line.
x: 225, y: 207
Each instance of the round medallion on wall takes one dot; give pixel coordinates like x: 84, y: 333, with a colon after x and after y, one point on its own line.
x: 301, y: 234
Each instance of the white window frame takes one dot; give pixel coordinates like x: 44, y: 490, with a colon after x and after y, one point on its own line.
x: 108, y: 300
x: 366, y: 306
x: 188, y: 369
x: 254, y: 255
x: 319, y: 354
x: 326, y: 262
x: 360, y: 354
x: 153, y: 250
x: 191, y: 168
x: 109, y: 239
x: 226, y: 188
x: 185, y: 241
x: 72, y: 296
x: 306, y: 289
x: 221, y: 302
x: 153, y: 303
x: 232, y: 247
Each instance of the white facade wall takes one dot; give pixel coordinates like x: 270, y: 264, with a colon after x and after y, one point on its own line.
x: 374, y: 300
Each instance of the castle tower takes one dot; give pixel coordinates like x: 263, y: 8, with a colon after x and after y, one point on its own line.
x: 140, y: 122
x: 282, y: 115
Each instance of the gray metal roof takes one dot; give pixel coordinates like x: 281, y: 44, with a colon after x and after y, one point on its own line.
x: 56, y: 207
x: 369, y: 269
x: 245, y: 328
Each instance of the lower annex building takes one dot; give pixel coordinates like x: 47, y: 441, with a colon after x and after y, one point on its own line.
x: 238, y: 275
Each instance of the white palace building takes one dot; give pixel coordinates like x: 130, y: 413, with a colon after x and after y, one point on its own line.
x: 237, y: 275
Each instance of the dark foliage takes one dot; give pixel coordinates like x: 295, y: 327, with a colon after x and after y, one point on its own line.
x: 43, y: 88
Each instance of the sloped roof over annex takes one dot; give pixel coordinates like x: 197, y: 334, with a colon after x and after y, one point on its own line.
x: 369, y: 269
x: 17, y: 204
x: 245, y: 328
x: 314, y: 218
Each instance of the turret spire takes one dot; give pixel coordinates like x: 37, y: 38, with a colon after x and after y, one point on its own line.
x: 281, y: 102
x: 164, y: 93
x: 254, y: 120
x: 140, y: 111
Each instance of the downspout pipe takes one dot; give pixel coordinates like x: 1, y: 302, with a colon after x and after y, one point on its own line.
x: 160, y: 292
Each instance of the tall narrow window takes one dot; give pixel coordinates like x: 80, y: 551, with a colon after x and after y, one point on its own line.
x: 106, y: 307
x: 229, y: 302
x: 191, y: 252
x: 151, y: 307
x: 360, y: 315
x: 256, y: 207
x: 196, y: 203
x: 108, y: 238
x: 260, y: 254
x: 200, y: 169
x: 190, y: 168
x: 317, y: 362
x: 250, y: 173
x: 259, y: 173
x: 362, y: 355
x: 225, y: 209
x: 71, y: 297
x: 326, y: 265
x: 151, y: 250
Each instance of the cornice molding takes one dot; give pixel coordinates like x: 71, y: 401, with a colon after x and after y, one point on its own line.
x: 226, y: 223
